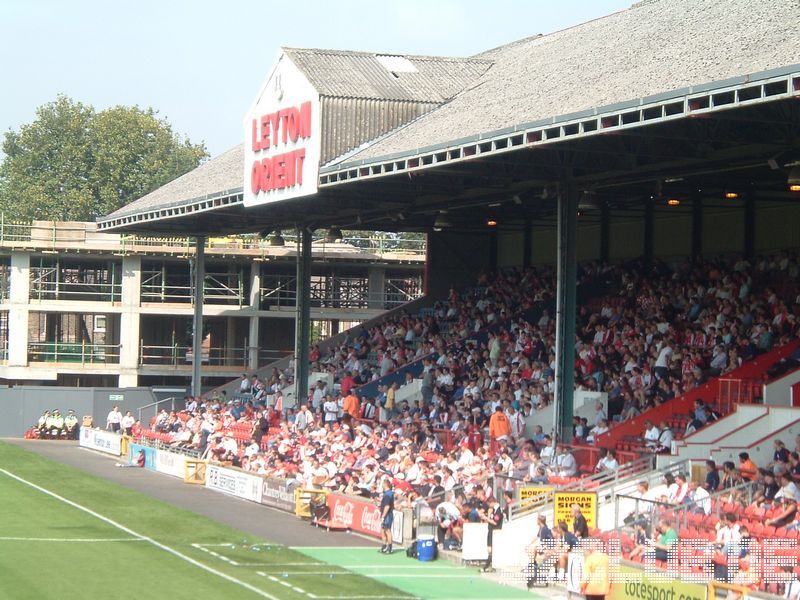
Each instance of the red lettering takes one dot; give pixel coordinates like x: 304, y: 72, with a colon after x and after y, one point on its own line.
x: 256, y: 143
x: 255, y: 177
x: 266, y: 175
x: 291, y: 169
x: 279, y: 170
x: 300, y: 157
x: 265, y: 141
x: 293, y: 116
x: 285, y: 119
x: 274, y: 119
x: 304, y: 126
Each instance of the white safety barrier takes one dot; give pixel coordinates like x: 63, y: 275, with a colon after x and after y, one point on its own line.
x: 234, y: 482
x: 102, y: 441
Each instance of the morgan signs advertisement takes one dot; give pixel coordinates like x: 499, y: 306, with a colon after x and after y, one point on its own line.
x: 362, y: 516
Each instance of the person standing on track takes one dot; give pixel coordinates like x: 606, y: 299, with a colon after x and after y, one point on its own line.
x: 596, y: 580
x: 387, y: 516
x: 114, y: 420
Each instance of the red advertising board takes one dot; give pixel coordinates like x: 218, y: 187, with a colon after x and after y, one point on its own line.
x: 363, y: 516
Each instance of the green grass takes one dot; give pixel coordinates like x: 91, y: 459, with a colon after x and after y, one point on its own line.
x: 137, y: 568
x: 155, y: 550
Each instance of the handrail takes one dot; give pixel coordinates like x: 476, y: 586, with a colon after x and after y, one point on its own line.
x: 156, y: 404
x: 74, y: 352
x: 600, y: 482
x: 683, y: 404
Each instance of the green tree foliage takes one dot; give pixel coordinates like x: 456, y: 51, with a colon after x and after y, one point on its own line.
x: 73, y: 163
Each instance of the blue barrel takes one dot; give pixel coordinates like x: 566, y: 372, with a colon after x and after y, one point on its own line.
x: 426, y: 547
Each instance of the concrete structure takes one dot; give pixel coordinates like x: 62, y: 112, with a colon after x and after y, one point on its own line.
x: 79, y: 307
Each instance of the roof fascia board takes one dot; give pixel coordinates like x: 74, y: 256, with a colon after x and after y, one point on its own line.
x: 601, y: 120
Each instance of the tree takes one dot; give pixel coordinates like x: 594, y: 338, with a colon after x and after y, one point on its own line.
x: 73, y: 163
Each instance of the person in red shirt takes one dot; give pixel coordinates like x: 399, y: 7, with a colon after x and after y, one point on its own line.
x: 347, y: 383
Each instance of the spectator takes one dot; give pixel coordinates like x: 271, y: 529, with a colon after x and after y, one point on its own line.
x: 579, y: 524
x: 666, y: 542
x: 712, y: 482
x: 747, y: 468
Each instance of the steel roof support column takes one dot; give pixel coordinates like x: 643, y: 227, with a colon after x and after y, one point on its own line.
x: 565, y: 309
x: 750, y: 225
x: 303, y: 316
x: 649, y: 219
x: 605, y: 232
x: 527, y: 242
x: 697, y: 225
x: 197, y: 322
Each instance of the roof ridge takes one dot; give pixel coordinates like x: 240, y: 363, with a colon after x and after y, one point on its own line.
x: 333, y: 51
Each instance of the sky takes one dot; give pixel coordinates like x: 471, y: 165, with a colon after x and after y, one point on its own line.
x: 200, y: 63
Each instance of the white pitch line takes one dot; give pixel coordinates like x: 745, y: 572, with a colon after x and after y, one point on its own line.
x: 144, y: 538
x: 223, y: 558
x: 78, y: 540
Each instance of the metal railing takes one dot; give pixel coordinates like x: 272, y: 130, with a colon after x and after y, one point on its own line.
x: 218, y: 288
x: 154, y: 406
x: 73, y: 352
x: 339, y: 292
x: 54, y: 283
x: 175, y: 355
x: 630, y: 509
x: 57, y: 234
x: 604, y: 483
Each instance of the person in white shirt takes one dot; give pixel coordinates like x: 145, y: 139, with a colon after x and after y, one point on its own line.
x: 664, y: 444
x: 565, y: 464
x: 114, y: 420
x: 331, y: 411
x: 700, y: 498
x: 651, y: 434
x: 608, y: 461
x: 547, y: 453
x: 127, y: 423
x: 599, y: 429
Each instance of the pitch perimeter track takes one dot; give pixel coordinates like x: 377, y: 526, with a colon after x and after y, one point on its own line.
x: 261, y: 521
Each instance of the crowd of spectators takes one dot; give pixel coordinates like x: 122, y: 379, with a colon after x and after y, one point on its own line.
x: 659, y: 332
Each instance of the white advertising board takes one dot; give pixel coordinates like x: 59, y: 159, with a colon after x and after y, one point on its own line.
x: 171, y: 463
x: 282, y: 139
x: 102, y: 441
x: 234, y: 483
x: 475, y: 543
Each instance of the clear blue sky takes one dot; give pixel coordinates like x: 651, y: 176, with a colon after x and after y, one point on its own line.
x: 200, y: 63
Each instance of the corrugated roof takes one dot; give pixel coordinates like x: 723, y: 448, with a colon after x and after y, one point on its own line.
x: 223, y: 172
x: 362, y: 75
x: 650, y: 48
x: 653, y: 47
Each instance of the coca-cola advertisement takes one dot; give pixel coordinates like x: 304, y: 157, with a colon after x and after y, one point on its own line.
x: 363, y: 516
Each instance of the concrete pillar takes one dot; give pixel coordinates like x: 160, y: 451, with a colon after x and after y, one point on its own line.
x: 19, y: 294
x: 232, y: 357
x: 255, y: 305
x: 377, y: 285
x: 130, y: 321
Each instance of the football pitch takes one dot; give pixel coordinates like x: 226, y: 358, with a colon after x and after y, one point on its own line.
x: 65, y: 534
